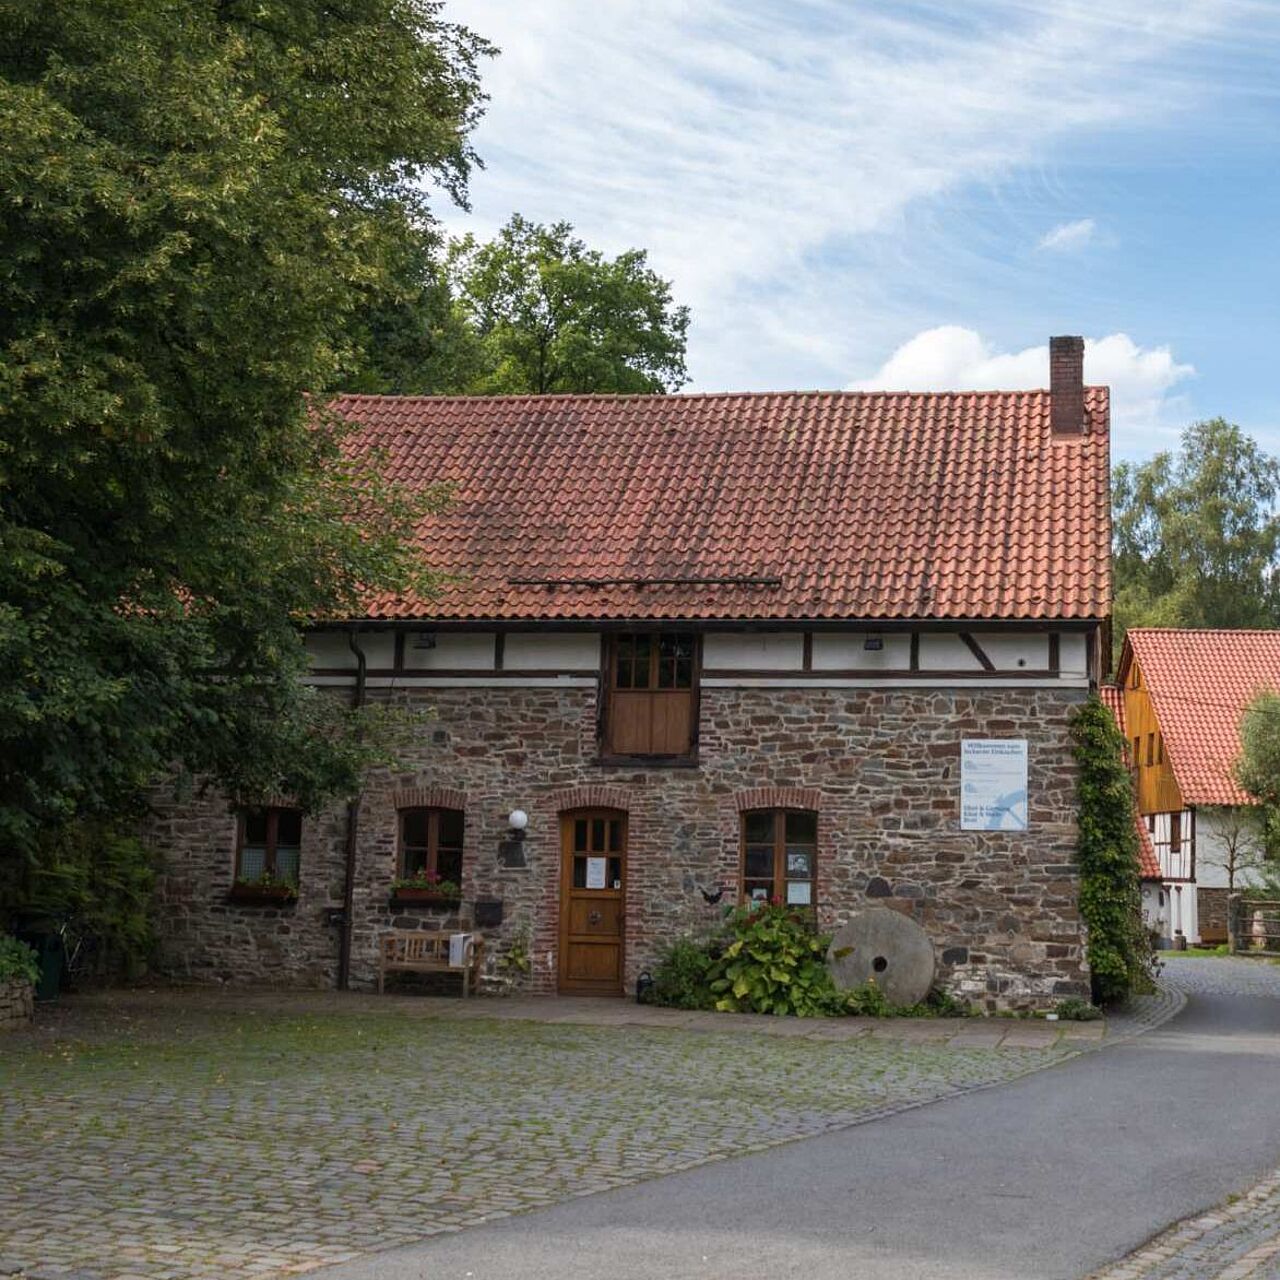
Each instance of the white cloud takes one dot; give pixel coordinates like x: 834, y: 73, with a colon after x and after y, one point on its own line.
x: 1143, y: 380
x: 774, y: 158
x: 1069, y: 235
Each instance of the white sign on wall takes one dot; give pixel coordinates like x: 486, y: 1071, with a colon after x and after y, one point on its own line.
x: 993, y: 784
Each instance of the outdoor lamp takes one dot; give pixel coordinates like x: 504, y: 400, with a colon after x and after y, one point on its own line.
x: 517, y: 820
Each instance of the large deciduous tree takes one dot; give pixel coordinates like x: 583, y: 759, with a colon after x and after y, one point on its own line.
x: 532, y: 311
x: 1197, y: 534
x: 195, y: 198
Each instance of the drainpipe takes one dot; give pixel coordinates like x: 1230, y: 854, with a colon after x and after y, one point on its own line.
x: 353, y: 828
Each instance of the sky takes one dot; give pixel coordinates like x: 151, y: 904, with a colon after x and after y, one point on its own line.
x: 916, y: 195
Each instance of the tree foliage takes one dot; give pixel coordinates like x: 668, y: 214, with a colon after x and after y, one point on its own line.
x: 196, y: 197
x: 532, y: 311
x: 1257, y: 770
x: 1197, y: 534
x: 1119, y: 954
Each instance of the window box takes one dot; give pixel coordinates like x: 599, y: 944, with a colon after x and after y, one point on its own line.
x: 418, y: 897
x: 266, y: 894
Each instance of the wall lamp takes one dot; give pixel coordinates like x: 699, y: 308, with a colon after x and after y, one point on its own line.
x: 517, y: 820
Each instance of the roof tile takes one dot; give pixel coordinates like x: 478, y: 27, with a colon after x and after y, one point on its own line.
x: 863, y: 505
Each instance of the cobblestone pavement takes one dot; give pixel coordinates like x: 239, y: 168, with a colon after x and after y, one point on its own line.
x: 1239, y: 1240
x: 1222, y: 975
x: 198, y: 1136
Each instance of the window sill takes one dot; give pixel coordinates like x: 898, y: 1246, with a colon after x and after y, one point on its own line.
x: 603, y: 761
x: 425, y: 898
x: 262, y: 896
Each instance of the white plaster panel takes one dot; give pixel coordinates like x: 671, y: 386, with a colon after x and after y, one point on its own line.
x: 754, y: 650
x: 945, y: 651
x: 1073, y: 653
x: 847, y: 651
x: 332, y: 649
x: 1015, y: 650
x: 452, y: 651
x: 551, y: 651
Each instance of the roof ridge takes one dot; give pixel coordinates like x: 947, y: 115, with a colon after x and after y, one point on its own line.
x: 659, y: 397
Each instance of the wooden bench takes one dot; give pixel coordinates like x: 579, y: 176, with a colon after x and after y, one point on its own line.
x: 415, y: 952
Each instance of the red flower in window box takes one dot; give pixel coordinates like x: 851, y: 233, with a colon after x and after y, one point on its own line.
x: 426, y: 888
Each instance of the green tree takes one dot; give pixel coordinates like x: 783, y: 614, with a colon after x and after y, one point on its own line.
x: 1257, y: 770
x: 531, y: 312
x: 1118, y: 952
x: 196, y: 197
x: 1196, y: 534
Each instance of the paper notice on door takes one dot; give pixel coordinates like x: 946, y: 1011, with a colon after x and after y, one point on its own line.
x: 596, y: 869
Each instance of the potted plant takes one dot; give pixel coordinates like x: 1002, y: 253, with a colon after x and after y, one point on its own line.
x: 266, y: 888
x: 426, y: 888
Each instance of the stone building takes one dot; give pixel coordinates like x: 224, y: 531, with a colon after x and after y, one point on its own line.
x: 821, y: 648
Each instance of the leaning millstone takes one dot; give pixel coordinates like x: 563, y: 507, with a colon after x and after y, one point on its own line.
x: 883, y: 944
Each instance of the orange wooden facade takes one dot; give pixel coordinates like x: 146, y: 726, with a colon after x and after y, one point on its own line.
x: 1157, y: 788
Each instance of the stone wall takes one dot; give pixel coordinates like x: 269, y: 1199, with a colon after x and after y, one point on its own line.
x: 880, y: 766
x: 17, y: 1004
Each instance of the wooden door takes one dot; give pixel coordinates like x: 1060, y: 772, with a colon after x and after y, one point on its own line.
x: 593, y: 872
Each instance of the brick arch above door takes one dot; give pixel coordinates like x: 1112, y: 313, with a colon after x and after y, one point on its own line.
x: 595, y: 795
x: 779, y: 798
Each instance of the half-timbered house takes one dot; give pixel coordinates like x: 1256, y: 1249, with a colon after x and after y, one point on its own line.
x: 696, y: 650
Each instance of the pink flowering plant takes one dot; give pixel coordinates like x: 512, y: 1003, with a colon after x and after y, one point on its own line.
x: 431, y: 881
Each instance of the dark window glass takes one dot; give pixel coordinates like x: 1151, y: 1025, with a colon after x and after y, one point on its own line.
x: 255, y: 826
x: 758, y: 826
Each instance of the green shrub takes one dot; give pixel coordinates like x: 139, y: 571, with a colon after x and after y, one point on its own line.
x: 681, y: 979
x: 1073, y: 1009
x: 774, y: 963
x: 867, y: 1001
x: 1119, y: 955
x: 97, y: 880
x: 17, y: 960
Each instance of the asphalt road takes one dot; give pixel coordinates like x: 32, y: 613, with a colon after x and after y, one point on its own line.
x: 1050, y: 1176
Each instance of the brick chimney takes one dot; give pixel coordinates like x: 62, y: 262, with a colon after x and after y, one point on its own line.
x: 1066, y: 386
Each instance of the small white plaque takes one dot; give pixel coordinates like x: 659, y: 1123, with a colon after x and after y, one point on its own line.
x: 799, y: 893
x: 596, y: 868
x: 993, y: 784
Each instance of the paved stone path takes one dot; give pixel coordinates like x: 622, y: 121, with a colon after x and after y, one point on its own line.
x: 1240, y: 1240
x: 188, y: 1136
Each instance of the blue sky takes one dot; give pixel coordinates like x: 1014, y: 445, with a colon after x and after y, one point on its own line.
x: 905, y: 195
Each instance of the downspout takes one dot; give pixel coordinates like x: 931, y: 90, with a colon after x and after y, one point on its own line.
x: 353, y: 829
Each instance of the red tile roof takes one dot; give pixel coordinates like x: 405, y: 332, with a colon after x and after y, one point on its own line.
x: 843, y: 505
x: 1148, y: 861
x: 1200, y: 683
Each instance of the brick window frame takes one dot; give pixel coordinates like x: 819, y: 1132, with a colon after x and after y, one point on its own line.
x: 788, y: 838
x: 430, y: 840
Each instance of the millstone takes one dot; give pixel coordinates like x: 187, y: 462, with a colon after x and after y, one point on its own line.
x: 883, y: 944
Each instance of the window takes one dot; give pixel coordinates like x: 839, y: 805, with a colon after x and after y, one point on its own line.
x: 780, y: 856
x: 1175, y: 833
x: 270, y: 844
x: 1159, y: 748
x: 652, y: 688
x: 1137, y: 752
x: 1151, y: 749
x: 431, y: 844
x: 1137, y: 678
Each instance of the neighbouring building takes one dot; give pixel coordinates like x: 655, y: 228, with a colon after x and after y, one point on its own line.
x: 822, y: 648
x: 1183, y: 694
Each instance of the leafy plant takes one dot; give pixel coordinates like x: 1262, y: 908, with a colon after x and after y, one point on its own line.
x: 1118, y: 949
x: 868, y: 1001
x: 428, y: 880
x: 774, y: 963
x: 681, y: 978
x: 95, y: 881
x: 17, y: 961
x: 1073, y: 1009
x: 268, y: 880
x: 516, y: 959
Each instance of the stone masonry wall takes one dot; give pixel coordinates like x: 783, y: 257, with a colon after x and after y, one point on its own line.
x: 880, y: 766
x: 17, y: 1004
